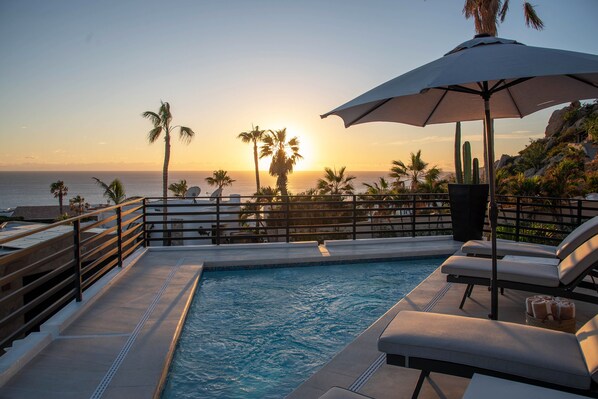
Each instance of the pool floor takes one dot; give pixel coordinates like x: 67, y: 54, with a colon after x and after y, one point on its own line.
x: 260, y: 333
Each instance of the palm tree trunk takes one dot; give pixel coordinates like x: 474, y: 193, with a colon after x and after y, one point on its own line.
x: 257, y: 171
x: 60, y: 202
x: 165, y: 235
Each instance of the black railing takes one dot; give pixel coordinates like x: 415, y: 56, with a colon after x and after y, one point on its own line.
x: 45, y: 268
x: 295, y: 218
x: 40, y: 277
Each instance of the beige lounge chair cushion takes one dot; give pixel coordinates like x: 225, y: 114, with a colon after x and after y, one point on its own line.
x: 584, y: 256
x: 529, y: 273
x: 577, y: 237
x: 588, y: 341
x: 507, y: 247
x: 340, y: 393
x: 515, y: 349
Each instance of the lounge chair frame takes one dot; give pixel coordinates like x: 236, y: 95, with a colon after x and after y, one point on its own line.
x: 566, y: 291
x: 428, y: 366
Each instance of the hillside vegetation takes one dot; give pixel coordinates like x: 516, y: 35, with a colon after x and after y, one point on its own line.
x: 561, y: 164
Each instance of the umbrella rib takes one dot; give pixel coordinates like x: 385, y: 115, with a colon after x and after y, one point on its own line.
x: 436, y: 106
x: 368, y: 112
x: 514, y: 103
x: 462, y: 89
x: 506, y: 86
x: 582, y: 80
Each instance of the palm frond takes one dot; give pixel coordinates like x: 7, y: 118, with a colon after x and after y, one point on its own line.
x: 531, y: 18
x: 186, y: 134
x: 153, y: 117
x: 154, y: 134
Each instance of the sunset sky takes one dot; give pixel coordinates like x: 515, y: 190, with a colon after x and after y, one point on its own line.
x: 76, y: 75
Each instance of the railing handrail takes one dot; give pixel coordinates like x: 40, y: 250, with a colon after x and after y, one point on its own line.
x: 67, y: 221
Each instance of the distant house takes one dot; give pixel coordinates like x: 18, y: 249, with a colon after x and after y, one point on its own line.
x: 41, y: 214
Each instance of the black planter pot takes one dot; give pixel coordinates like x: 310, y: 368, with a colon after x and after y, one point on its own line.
x: 469, y: 203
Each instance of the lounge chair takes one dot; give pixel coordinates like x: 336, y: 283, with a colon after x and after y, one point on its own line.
x: 462, y: 346
x: 544, y: 278
x: 577, y: 237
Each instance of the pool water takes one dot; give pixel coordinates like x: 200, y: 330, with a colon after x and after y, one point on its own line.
x: 260, y: 333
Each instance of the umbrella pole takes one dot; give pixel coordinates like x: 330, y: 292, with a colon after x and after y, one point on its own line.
x: 493, y: 214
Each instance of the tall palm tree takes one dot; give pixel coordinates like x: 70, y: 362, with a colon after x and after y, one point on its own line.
x: 115, y: 191
x: 161, y: 122
x: 432, y: 181
x: 487, y: 13
x: 415, y: 168
x: 336, y: 183
x: 285, y: 155
x: 253, y: 136
x: 179, y: 188
x: 59, y: 189
x: 220, y: 179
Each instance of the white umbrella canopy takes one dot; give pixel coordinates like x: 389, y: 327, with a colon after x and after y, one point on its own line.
x: 521, y: 80
x: 481, y: 79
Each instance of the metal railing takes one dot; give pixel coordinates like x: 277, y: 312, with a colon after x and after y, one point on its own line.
x: 295, y: 218
x: 45, y: 268
x: 40, y: 275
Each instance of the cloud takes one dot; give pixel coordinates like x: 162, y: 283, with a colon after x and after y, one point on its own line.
x: 59, y: 151
x: 102, y: 143
x: 519, y: 134
x: 30, y: 157
x: 23, y: 127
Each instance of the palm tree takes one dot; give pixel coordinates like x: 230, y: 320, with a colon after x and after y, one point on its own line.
x: 161, y: 122
x: 336, y: 183
x: 382, y: 187
x: 220, y: 179
x: 59, y: 190
x: 397, y: 172
x: 432, y: 182
x: 486, y: 15
x: 415, y: 168
x: 78, y: 204
x: 254, y: 136
x: 179, y: 189
x: 115, y: 191
x: 285, y: 155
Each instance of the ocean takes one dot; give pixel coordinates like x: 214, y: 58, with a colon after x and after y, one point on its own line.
x: 33, y: 188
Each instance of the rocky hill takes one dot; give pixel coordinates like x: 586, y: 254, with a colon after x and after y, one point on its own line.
x: 563, y: 163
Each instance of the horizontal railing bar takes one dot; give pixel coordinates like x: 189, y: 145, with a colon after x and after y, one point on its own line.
x: 98, y: 261
x: 87, y: 255
x: 38, y: 318
x: 29, y: 268
x: 95, y: 276
x: 35, y: 302
x: 42, y: 280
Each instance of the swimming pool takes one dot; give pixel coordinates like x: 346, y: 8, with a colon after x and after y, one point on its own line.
x: 260, y: 333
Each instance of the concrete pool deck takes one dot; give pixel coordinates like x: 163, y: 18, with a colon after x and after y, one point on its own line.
x: 118, y: 343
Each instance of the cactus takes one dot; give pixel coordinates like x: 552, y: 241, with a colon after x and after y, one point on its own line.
x: 466, y: 163
x: 458, y: 167
x: 466, y: 173
x: 476, y: 171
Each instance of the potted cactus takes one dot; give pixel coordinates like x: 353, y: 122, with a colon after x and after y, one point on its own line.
x: 468, y: 198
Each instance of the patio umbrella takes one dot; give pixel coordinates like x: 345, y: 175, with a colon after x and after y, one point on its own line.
x: 481, y: 79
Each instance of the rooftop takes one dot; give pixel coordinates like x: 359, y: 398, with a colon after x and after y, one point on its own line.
x: 119, y: 340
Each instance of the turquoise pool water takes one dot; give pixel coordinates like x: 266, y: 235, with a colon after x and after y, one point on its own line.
x: 260, y: 333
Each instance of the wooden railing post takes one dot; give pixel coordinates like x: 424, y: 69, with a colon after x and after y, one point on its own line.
x: 77, y: 256
x: 119, y: 235
x: 517, y: 218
